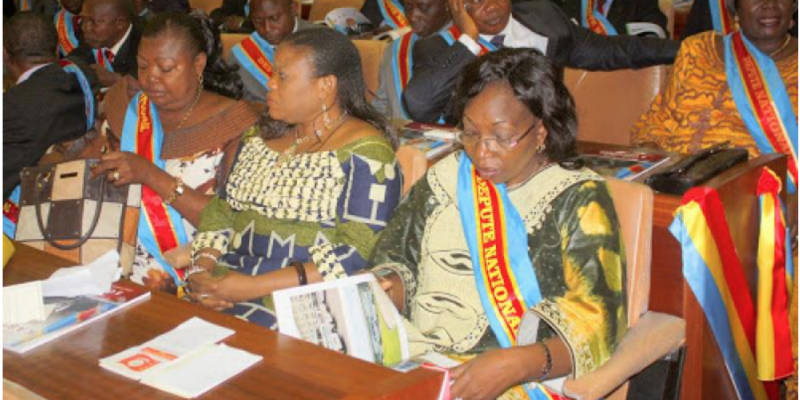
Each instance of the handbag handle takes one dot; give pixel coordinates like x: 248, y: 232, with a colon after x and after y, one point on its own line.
x: 81, y: 240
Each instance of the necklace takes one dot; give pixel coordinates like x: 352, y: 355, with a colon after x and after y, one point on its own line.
x: 545, y: 165
x: 289, y: 153
x: 783, y: 46
x: 189, y: 111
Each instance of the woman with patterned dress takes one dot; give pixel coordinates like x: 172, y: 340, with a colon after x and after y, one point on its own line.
x: 312, y: 186
x: 507, y: 255
x: 183, y: 113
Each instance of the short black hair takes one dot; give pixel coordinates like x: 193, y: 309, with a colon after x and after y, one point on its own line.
x: 334, y: 54
x: 537, y: 83
x: 201, y: 36
x: 30, y: 36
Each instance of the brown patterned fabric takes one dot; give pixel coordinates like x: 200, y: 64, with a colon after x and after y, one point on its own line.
x: 211, y: 133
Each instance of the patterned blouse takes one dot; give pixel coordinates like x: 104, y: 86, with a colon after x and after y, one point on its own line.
x: 574, y: 244
x: 697, y: 110
x: 326, y: 207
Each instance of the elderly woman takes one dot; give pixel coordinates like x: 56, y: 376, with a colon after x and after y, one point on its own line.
x: 709, y: 100
x: 311, y: 188
x: 178, y: 137
x: 509, y: 227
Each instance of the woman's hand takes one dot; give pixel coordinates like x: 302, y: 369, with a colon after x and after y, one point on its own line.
x: 488, y: 375
x: 123, y: 168
x: 462, y: 19
x: 230, y: 288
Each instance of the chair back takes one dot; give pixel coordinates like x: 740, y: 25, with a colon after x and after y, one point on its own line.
x: 609, y: 103
x: 633, y: 203
x: 228, y: 41
x: 371, y: 52
x: 413, y: 163
x: 321, y: 8
x: 206, y: 5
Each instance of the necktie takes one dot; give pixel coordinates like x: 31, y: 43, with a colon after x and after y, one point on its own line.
x: 600, y: 5
x: 497, y: 41
x: 109, y: 55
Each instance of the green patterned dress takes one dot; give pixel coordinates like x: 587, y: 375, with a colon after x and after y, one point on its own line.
x: 573, y: 241
x: 326, y: 207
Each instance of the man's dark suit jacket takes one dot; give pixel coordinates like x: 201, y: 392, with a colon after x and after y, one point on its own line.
x: 231, y: 8
x: 622, y: 12
x: 45, y: 109
x: 124, y: 61
x: 437, y: 65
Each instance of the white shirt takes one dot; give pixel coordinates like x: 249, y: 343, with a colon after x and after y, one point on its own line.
x: 516, y: 35
x: 116, y: 47
x: 27, y: 74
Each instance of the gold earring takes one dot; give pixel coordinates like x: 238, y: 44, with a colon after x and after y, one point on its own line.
x: 541, y: 148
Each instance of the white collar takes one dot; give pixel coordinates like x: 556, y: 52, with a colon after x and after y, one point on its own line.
x: 506, y: 32
x: 27, y: 74
x: 116, y: 47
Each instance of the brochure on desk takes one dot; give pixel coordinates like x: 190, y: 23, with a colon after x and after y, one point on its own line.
x: 624, y: 164
x: 67, y: 314
x: 431, y: 140
x: 352, y: 316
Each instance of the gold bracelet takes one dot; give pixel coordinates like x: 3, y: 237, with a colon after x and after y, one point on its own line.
x: 175, y: 193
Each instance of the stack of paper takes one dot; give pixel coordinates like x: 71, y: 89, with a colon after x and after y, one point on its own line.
x: 185, y: 361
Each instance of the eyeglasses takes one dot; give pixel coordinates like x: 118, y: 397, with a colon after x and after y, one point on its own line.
x: 470, y: 141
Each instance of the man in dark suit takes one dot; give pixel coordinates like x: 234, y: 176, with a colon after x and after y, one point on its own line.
x: 620, y: 12
x: 231, y: 16
x: 110, y: 39
x: 47, y: 104
x: 483, y: 25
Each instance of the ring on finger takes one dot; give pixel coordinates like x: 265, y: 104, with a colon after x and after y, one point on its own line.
x: 115, y: 176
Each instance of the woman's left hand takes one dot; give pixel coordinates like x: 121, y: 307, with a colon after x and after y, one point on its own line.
x: 123, y: 168
x: 486, y: 376
x: 232, y: 287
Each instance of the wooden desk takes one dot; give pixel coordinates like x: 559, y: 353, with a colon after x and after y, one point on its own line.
x: 67, y: 368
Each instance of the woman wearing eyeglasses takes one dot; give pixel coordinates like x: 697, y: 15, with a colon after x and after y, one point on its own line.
x: 509, y: 227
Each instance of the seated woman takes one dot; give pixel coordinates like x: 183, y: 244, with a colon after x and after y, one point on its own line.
x: 506, y: 227
x: 178, y: 137
x: 707, y: 102
x: 310, y: 190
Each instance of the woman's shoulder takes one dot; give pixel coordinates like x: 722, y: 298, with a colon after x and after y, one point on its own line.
x: 703, y: 46
x: 365, y: 140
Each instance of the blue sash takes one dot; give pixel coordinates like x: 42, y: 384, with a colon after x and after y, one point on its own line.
x: 11, y: 213
x: 721, y: 19
x: 129, y: 142
x: 403, y: 65
x: 247, y: 9
x: 595, y: 20
x: 393, y: 13
x: 762, y: 100
x: 88, y: 95
x: 65, y: 28
x: 451, y: 36
x: 257, y: 52
x: 100, y: 58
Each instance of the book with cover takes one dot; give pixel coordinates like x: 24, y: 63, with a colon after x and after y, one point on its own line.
x: 352, y: 316
x: 348, y: 21
x: 431, y: 140
x: 69, y: 314
x: 623, y: 164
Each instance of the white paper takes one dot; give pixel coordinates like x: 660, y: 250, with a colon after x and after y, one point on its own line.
x: 201, y: 371
x: 23, y: 303
x: 440, y: 134
x: 89, y: 280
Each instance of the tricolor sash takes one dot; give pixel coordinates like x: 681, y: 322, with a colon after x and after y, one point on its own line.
x: 66, y: 22
x: 101, y: 59
x: 773, y: 337
x: 160, y: 226
x: 452, y: 34
x: 594, y: 20
x: 721, y: 19
x: 498, y: 244
x: 247, y: 9
x: 88, y: 95
x: 11, y: 213
x: 713, y: 271
x: 256, y: 55
x: 761, y: 98
x: 403, y: 64
x: 23, y: 5
x: 393, y: 13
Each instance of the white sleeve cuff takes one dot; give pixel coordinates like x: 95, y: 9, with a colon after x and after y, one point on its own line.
x: 471, y: 44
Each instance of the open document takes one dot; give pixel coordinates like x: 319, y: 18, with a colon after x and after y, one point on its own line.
x: 352, y: 316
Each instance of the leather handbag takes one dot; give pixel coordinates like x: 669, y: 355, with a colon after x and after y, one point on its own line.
x: 696, y: 169
x: 66, y: 212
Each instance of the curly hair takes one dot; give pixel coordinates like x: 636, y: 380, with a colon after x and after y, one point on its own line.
x: 333, y: 54
x: 538, y: 84
x: 200, y: 34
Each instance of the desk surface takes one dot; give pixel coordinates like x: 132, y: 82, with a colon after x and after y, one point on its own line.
x: 67, y: 368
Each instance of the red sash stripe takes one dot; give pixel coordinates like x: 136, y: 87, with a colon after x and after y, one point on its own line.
x: 259, y: 59
x: 11, y: 211
x: 405, y: 73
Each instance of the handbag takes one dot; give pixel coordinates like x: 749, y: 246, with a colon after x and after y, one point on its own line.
x: 696, y: 169
x: 66, y: 212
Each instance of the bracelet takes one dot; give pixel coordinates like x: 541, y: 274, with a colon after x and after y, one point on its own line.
x: 548, y: 365
x: 210, y: 256
x: 175, y: 193
x: 192, y: 270
x: 301, y: 272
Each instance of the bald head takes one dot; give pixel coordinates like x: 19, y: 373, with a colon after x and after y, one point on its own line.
x: 105, y: 21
